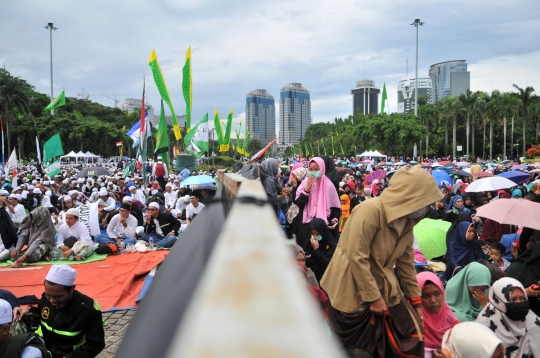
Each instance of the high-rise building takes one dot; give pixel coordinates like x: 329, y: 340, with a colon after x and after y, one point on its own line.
x: 261, y: 116
x: 449, y: 78
x: 406, y: 93
x: 294, y: 114
x: 365, y: 97
x: 130, y: 104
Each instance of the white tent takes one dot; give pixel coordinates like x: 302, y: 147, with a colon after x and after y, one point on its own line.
x: 371, y: 154
x: 71, y: 154
x: 377, y: 154
x: 89, y: 154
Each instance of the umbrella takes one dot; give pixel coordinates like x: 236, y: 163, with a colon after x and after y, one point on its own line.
x: 483, y: 174
x: 390, y: 173
x: 431, y: 236
x: 519, y: 166
x: 516, y: 176
x: 436, y: 165
x: 440, y: 176
x: 505, y: 161
x: 93, y: 172
x: 345, y: 170
x: 209, y: 186
x: 444, y: 162
x: 366, y: 161
x: 377, y: 174
x: 425, y: 166
x: 389, y: 163
x: 448, y: 165
x: 352, y: 165
x: 198, y: 180
x: 460, y: 173
x: 513, y: 212
x: 490, y: 184
x: 413, y: 162
x: 462, y: 164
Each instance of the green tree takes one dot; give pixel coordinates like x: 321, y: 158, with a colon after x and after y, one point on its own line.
x: 527, y: 98
x: 13, y: 99
x: 454, y: 109
x: 468, y: 99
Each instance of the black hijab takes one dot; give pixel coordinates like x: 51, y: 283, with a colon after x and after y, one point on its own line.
x: 328, y: 242
x: 330, y: 171
x: 460, y: 218
x: 7, y: 230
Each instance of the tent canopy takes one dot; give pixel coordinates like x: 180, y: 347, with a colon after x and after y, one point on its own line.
x: 374, y: 153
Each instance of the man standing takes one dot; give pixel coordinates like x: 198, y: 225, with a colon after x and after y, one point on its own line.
x: 475, y: 168
x: 70, y: 321
x: 361, y: 281
x: 26, y: 345
x: 121, y: 228
x: 194, y: 208
x: 74, y: 238
x: 160, y: 172
x: 161, y: 227
x: 185, y: 173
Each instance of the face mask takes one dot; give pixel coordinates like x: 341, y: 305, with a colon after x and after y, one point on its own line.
x: 316, y: 174
x: 517, y: 311
x: 417, y: 214
x: 318, y: 238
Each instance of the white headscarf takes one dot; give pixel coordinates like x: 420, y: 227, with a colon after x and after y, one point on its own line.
x: 470, y: 339
x: 512, y: 333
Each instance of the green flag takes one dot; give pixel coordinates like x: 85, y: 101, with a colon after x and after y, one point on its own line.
x: 323, y: 147
x: 162, y: 138
x: 384, y: 97
x: 59, y: 101
x: 342, y: 151
x: 53, y: 169
x: 130, y: 168
x: 224, y: 147
x: 246, y: 138
x: 196, y: 140
x: 52, y: 148
x: 219, y: 127
x: 163, y: 91
x: 186, y: 88
x: 333, y: 151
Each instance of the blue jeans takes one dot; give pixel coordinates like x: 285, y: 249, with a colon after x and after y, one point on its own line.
x: 159, y: 240
x: 104, y: 239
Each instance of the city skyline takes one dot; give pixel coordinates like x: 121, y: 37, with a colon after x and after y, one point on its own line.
x: 104, y: 53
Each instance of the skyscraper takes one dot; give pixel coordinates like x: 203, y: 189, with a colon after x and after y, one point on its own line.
x: 365, y: 97
x: 261, y: 116
x: 449, y: 78
x: 294, y: 114
x: 406, y: 93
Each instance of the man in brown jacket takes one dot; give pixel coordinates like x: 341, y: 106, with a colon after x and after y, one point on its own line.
x: 377, y: 240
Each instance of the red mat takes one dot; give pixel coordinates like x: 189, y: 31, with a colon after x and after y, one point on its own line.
x: 114, y: 283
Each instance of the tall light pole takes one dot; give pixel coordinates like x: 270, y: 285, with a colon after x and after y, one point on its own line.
x: 50, y: 27
x: 416, y: 24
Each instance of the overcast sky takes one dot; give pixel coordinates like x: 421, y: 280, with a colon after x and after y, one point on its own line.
x: 238, y: 46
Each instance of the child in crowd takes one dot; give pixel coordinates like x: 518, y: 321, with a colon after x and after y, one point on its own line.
x: 497, y: 252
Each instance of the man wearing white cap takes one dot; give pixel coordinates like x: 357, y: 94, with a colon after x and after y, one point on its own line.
x: 74, y: 238
x: 160, y: 172
x: 161, y: 227
x: 105, y: 202
x: 170, y: 197
x: 71, y: 322
x: 137, y: 194
x: 121, y: 228
x: 25, y: 345
x: 15, y: 210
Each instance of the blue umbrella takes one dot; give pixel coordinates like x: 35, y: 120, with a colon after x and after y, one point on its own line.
x: 515, y: 176
x: 198, y: 180
x: 440, y: 176
x: 352, y: 165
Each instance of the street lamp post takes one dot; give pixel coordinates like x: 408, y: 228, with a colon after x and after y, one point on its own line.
x: 50, y: 27
x: 417, y: 23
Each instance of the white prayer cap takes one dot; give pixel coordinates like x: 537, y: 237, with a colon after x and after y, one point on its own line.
x: 172, y: 176
x: 187, y: 198
x: 80, y: 180
x: 46, y: 182
x: 71, y: 192
x: 183, y: 186
x: 65, y: 181
x: 103, y: 193
x: 132, y: 187
x: 169, y: 185
x: 30, y: 187
x: 24, y: 195
x: 48, y: 193
x: 94, y: 189
x: 62, y: 275
x: 34, y: 182
x: 17, y: 188
x: 154, y: 192
x: 4, y: 192
x: 74, y: 212
x: 159, y: 158
x: 6, y: 312
x: 127, y: 198
x: 153, y: 205
x: 73, y: 182
x: 36, y: 191
x: 176, y: 181
x: 67, y: 197
x: 16, y: 196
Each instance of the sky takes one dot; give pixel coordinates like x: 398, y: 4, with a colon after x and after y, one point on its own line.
x: 103, y: 47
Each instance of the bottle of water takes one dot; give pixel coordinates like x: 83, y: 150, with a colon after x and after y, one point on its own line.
x: 122, y: 247
x: 151, y: 243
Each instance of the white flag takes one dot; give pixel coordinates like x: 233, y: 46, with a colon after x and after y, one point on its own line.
x: 12, y: 162
x: 38, y: 150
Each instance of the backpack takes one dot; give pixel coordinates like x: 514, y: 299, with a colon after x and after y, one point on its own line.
x: 18, y: 343
x: 160, y: 170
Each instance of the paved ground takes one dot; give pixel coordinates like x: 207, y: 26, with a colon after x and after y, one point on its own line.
x: 115, y: 327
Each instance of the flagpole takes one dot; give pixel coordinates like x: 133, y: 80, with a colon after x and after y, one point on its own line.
x: 3, y: 154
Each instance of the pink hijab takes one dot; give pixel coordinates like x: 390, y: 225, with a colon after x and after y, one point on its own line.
x: 435, y: 325
x: 322, y: 195
x: 294, y: 167
x: 374, y: 190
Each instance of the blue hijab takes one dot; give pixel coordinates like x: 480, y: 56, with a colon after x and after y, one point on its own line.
x: 452, y: 206
x: 462, y: 252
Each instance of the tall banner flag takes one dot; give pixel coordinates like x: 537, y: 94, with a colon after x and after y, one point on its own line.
x: 143, y: 132
x: 162, y: 139
x: 384, y: 98
x: 196, y: 141
x: 3, y: 150
x: 53, y: 169
x: 218, y: 127
x: 246, y: 139
x: 323, y: 147
x: 59, y: 101
x: 135, y: 131
x: 52, y: 148
x: 342, y: 151
x: 163, y: 91
x: 261, y: 152
x: 38, y: 151
x: 333, y: 150
x: 12, y: 162
x: 187, y: 85
x: 224, y: 147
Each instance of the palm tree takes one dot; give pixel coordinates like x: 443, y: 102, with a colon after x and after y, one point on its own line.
x: 505, y: 105
x: 13, y: 95
x: 468, y: 100
x: 534, y: 113
x: 429, y: 116
x: 453, y: 108
x: 477, y: 115
x: 527, y: 98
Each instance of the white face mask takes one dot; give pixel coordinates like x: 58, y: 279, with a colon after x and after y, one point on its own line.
x: 417, y: 214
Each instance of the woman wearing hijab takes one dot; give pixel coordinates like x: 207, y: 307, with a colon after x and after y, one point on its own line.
x: 455, y: 207
x: 317, y: 198
x: 466, y: 291
x: 330, y: 171
x: 438, y: 317
x: 270, y: 182
x: 493, y: 231
x: 459, y: 219
x: 517, y: 194
x: 470, y: 339
x: 345, y: 210
x: 300, y: 257
x: 468, y: 202
x: 507, y: 314
x: 38, y: 232
x: 8, y: 236
x: 294, y: 213
x: 375, y: 187
x: 320, y: 247
x: 463, y: 249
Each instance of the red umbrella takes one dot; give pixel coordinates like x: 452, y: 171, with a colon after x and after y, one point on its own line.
x: 513, y: 212
x: 482, y: 174
x: 378, y: 174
